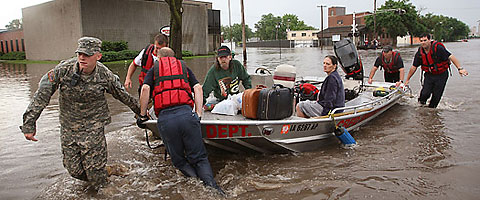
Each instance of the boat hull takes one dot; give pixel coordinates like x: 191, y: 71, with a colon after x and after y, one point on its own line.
x: 294, y: 134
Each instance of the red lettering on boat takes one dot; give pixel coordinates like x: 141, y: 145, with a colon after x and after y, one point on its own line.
x: 222, y: 131
x: 211, y: 131
x: 231, y: 130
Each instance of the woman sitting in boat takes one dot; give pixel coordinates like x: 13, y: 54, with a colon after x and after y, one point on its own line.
x: 331, y: 96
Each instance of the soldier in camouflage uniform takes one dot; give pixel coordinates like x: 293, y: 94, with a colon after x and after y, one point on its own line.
x: 82, y: 82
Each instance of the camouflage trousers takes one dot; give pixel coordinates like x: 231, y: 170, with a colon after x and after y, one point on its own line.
x: 85, y: 153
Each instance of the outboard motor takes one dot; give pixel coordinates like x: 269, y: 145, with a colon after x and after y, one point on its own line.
x: 347, y: 55
x: 285, y: 75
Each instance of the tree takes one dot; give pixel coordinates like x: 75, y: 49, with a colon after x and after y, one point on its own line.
x: 444, y: 28
x: 14, y: 24
x: 292, y: 23
x: 395, y: 23
x: 176, y: 11
x: 267, y: 26
x: 235, y: 32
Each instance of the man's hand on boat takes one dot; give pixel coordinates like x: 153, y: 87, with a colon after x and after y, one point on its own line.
x: 140, y: 121
x: 370, y: 81
x: 399, y: 83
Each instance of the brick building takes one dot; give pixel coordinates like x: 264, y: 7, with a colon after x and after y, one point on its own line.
x: 340, y: 24
x: 11, y: 40
x: 338, y: 18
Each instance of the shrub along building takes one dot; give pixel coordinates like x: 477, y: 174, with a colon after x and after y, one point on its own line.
x: 52, y: 29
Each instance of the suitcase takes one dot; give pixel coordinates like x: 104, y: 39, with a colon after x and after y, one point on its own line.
x: 250, y: 102
x: 275, y: 103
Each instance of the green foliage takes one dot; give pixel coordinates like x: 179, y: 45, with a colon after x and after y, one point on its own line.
x: 14, y: 55
x: 394, y: 23
x: 114, y: 45
x: 268, y: 26
x: 187, y: 54
x: 109, y: 56
x: 14, y: 24
x: 444, y: 28
x: 292, y: 23
x: 410, y: 22
x: 235, y: 32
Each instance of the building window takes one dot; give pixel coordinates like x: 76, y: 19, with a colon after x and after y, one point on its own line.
x: 339, y: 21
x: 16, y: 43
x: 23, y: 45
x: 1, y: 44
x: 11, y: 45
x: 294, y: 35
x: 6, y: 46
x: 331, y: 13
x: 304, y: 34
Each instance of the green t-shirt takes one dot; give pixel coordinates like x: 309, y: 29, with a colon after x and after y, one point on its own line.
x: 231, y: 77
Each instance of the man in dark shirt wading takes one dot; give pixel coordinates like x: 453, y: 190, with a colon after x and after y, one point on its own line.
x: 434, y: 60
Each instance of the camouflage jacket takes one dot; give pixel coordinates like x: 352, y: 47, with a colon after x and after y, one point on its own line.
x: 81, y: 105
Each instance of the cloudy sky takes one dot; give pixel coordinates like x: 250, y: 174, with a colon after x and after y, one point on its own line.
x: 467, y: 11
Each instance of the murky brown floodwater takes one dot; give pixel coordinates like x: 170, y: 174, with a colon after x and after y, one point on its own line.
x: 409, y: 152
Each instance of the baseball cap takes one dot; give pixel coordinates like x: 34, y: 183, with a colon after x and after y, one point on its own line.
x: 88, y: 45
x: 387, y: 48
x: 224, y: 51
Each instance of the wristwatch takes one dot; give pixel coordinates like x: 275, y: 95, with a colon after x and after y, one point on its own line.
x: 460, y: 68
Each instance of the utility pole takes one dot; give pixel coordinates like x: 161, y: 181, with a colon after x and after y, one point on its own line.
x: 321, y: 24
x: 244, y: 40
x: 288, y: 30
x: 375, y: 19
x: 230, y: 25
x: 354, y: 27
x: 278, y: 38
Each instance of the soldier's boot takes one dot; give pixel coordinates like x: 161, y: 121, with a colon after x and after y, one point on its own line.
x: 117, y: 170
x: 81, y: 176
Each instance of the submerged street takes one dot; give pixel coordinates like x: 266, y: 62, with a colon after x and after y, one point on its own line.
x: 408, y: 152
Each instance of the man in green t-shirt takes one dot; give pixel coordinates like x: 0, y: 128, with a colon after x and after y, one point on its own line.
x: 224, y: 77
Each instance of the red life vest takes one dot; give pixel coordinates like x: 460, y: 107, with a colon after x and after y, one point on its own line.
x: 430, y: 62
x: 389, y: 66
x: 308, y: 91
x: 171, y: 87
x: 147, y: 62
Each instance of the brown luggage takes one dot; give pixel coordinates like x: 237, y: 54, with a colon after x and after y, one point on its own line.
x: 250, y: 102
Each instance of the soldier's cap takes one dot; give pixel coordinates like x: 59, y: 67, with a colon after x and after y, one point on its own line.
x: 387, y: 49
x: 224, y: 51
x: 89, y: 45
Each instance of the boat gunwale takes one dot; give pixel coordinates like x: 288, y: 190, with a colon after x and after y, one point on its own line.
x: 387, y: 99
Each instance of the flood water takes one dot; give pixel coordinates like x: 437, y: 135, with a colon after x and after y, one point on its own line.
x: 409, y: 152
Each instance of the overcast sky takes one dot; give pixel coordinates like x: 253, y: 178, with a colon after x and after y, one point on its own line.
x: 467, y: 11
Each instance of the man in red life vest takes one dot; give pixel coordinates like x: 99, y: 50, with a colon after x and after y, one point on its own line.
x: 145, y: 60
x: 434, y: 60
x: 392, y: 63
x: 173, y: 82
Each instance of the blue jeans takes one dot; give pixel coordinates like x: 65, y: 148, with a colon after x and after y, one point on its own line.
x: 182, y: 134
